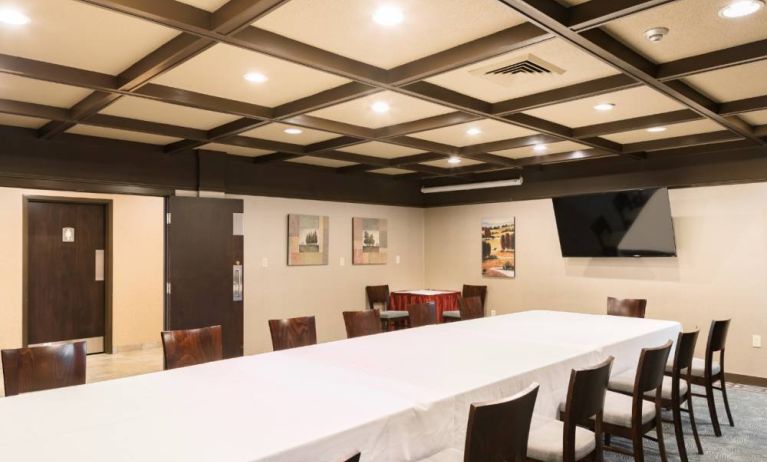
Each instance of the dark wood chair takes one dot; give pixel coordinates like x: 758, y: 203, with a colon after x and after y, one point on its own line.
x: 422, y: 314
x: 629, y: 307
x: 497, y: 431
x: 378, y: 299
x: 43, y: 367
x: 707, y: 372
x: 468, y: 308
x: 354, y: 458
x: 475, y: 291
x: 293, y: 332
x: 676, y: 389
x: 632, y: 417
x: 360, y: 323
x: 565, y: 439
x: 188, y: 347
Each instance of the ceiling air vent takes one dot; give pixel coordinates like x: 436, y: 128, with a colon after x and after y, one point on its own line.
x: 517, y: 70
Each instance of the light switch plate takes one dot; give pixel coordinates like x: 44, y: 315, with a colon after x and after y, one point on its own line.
x: 342, y: 261
x: 492, y: 312
x: 756, y: 341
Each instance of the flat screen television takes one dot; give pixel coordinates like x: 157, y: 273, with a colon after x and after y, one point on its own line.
x: 633, y: 223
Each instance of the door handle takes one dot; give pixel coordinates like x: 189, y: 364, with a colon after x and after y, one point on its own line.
x: 237, y: 282
x: 99, y: 265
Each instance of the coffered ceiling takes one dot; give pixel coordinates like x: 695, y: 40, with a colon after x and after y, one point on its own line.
x: 367, y: 88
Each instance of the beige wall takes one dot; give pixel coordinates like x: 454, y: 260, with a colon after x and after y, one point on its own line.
x: 279, y: 291
x: 138, y: 266
x: 720, y: 271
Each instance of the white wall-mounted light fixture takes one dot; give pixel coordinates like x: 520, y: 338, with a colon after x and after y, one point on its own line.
x: 470, y: 186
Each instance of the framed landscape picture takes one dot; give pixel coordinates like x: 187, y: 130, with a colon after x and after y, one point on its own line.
x: 498, y: 247
x: 307, y: 240
x: 369, y: 241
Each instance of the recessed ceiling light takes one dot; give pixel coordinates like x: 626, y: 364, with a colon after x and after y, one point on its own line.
x: 540, y: 147
x: 604, y: 106
x: 740, y: 8
x: 656, y: 34
x: 255, y: 77
x: 388, y: 15
x: 380, y: 107
x: 13, y: 17
x: 454, y: 160
x: 473, y: 131
x: 578, y: 154
x: 293, y: 131
x: 656, y: 129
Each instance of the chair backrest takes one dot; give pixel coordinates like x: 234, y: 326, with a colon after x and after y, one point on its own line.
x: 188, y: 347
x: 651, y: 368
x: 43, y: 367
x: 378, y: 297
x: 683, y: 354
x: 293, y: 332
x: 354, y: 458
x: 471, y: 308
x: 475, y: 291
x: 422, y: 314
x: 498, y: 430
x: 359, y: 323
x: 717, y: 338
x: 585, y: 399
x: 629, y: 307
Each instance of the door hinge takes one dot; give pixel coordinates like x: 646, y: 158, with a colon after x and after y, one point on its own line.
x: 167, y: 288
x: 167, y: 218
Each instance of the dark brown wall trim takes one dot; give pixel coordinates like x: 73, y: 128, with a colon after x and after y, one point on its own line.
x: 747, y: 379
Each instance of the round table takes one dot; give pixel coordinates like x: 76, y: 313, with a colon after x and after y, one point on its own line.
x: 444, y: 300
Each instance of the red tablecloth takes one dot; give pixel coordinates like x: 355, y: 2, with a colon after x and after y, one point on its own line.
x: 445, y: 300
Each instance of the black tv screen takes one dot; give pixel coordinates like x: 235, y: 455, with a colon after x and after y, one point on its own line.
x: 617, y: 224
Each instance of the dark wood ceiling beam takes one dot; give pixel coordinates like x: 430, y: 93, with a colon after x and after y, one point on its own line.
x: 57, y: 73
x: 332, y: 144
x: 446, y: 97
x: 761, y: 131
x: 275, y: 157
x: 378, y: 162
x: 358, y: 168
x: 429, y: 123
x: 562, y: 95
x: 601, y: 45
x: 572, y: 156
x: 142, y: 126
x: 595, y: 13
x: 415, y: 159
x: 734, y: 56
x: 424, y: 145
x: 38, y: 111
x: 508, y: 144
x: 236, y: 15
x: 637, y: 123
x: 492, y: 159
x: 483, y: 48
x: 743, y: 105
x: 266, y: 145
x: 680, y: 141
x: 337, y: 95
x: 169, y: 13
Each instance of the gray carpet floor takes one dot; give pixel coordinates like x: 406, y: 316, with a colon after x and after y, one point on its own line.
x: 746, y: 442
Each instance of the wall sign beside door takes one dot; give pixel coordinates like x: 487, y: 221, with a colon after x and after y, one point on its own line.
x: 67, y: 235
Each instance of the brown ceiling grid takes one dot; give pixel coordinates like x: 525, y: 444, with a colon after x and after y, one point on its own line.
x: 579, y: 26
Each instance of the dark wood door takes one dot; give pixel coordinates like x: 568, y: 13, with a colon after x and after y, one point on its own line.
x: 65, y: 272
x: 205, y: 246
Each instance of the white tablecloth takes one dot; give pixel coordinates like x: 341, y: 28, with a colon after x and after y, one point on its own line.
x: 396, y: 396
x: 425, y: 292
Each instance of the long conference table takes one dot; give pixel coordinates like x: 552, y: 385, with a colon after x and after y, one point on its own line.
x: 398, y: 396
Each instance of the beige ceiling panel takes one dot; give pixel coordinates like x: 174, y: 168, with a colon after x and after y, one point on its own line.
x: 575, y: 67
x: 695, y: 27
x: 207, y: 5
x: 490, y: 130
x: 76, y: 34
x: 165, y: 113
x: 220, y: 71
x: 39, y: 92
x: 551, y: 148
x: 402, y: 109
x: 680, y: 129
x: 125, y: 135
x: 21, y: 121
x: 635, y: 102
x: 276, y: 132
x: 332, y: 163
x: 346, y: 27
x: 733, y: 83
x: 443, y: 163
x: 236, y: 150
x: 391, y: 171
x: 379, y: 149
x: 756, y: 117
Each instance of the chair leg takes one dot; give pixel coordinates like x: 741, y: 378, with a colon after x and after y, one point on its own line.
x: 638, y: 446
x: 693, y: 425
x: 712, y: 409
x: 726, y: 402
x: 678, y: 431
x: 661, y: 443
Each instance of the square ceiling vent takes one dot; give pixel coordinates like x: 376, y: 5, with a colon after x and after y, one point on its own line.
x: 518, y: 69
